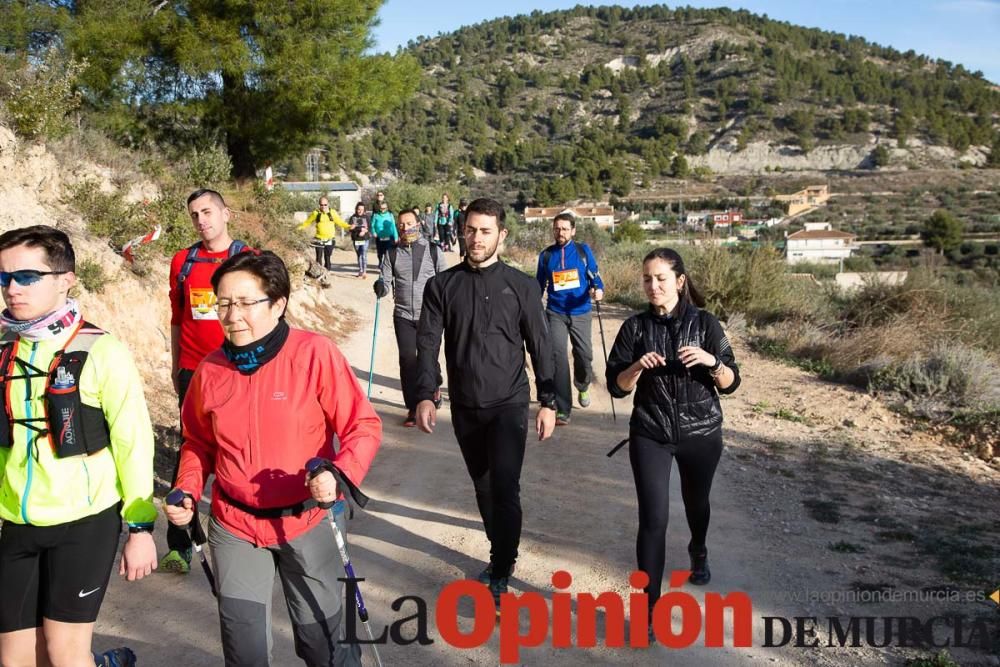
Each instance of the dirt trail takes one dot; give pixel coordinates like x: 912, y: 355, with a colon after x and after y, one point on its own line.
x: 422, y: 530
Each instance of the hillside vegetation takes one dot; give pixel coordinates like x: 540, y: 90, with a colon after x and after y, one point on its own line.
x: 591, y: 101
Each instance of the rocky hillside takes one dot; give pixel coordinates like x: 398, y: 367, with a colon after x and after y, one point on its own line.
x: 595, y: 100
x: 33, y: 189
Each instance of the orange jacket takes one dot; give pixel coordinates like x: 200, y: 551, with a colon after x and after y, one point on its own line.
x: 256, y: 432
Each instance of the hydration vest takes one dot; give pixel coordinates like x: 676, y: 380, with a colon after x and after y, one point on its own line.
x: 72, y: 427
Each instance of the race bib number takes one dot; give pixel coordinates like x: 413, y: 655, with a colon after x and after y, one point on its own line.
x: 358, y: 244
x: 563, y: 280
x: 202, y: 301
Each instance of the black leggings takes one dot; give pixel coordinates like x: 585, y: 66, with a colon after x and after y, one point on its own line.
x: 697, y: 458
x: 323, y: 254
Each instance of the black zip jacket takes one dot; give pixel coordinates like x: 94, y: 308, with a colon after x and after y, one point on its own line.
x: 488, y: 317
x: 672, y: 402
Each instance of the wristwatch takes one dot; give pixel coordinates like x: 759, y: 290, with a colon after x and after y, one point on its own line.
x: 714, y: 370
x: 140, y: 529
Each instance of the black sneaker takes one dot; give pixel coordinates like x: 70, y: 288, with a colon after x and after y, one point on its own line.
x: 498, y: 587
x: 700, y: 574
x: 487, y: 574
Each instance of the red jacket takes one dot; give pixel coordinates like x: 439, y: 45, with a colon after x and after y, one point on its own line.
x: 256, y: 432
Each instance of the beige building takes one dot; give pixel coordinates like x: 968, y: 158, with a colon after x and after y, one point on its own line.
x: 602, y: 214
x: 818, y: 243
x: 805, y: 199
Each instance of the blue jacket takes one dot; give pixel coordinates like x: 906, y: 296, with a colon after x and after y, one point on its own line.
x: 384, y: 226
x: 568, y: 300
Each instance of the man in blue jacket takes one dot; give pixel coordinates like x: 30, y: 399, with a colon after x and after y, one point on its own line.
x: 567, y: 272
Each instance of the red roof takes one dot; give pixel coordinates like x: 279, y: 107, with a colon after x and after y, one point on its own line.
x: 804, y: 235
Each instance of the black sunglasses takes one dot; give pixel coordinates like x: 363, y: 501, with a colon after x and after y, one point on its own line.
x: 25, y: 277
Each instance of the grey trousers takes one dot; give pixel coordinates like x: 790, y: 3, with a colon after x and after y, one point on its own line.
x: 575, y: 329
x: 309, y: 567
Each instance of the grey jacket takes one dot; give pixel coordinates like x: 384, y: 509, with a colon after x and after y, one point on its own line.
x: 406, y: 270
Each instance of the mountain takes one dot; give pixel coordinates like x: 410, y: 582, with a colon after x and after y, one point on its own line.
x: 583, y: 102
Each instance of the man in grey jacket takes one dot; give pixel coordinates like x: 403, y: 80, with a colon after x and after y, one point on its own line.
x: 406, y: 269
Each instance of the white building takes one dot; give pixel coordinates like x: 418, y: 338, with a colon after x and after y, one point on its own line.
x: 818, y: 243
x: 602, y: 214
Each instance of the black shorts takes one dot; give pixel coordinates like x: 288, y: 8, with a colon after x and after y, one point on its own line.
x: 56, y: 572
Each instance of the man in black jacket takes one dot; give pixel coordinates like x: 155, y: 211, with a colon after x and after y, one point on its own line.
x: 488, y: 312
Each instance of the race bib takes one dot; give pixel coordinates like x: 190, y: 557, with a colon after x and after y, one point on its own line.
x: 202, y: 300
x: 358, y: 244
x: 563, y: 280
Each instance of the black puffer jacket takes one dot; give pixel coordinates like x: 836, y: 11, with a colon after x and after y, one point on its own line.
x: 672, y: 402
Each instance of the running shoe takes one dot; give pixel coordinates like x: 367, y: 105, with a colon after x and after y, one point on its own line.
x: 584, y: 399
x: 410, y: 421
x: 176, y: 561
x: 116, y: 657
x: 562, y: 419
x: 700, y: 574
x: 487, y: 574
x: 498, y: 587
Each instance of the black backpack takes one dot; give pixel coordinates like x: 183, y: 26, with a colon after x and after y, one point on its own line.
x: 547, y: 256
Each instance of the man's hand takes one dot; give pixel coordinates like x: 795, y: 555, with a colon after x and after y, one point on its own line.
x: 426, y: 416
x: 180, y: 516
x: 545, y: 423
x: 138, y: 556
x: 323, y: 487
x: 597, y: 293
x: 379, y: 288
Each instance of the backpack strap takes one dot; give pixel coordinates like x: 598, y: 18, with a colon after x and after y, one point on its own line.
x: 236, y: 247
x: 192, y: 257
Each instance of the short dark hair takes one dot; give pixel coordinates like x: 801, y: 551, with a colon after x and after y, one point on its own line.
x: 59, y: 253
x: 406, y: 211
x: 360, y: 204
x: 490, y: 207
x: 201, y: 192
x: 568, y: 217
x: 689, y: 293
x: 263, y: 265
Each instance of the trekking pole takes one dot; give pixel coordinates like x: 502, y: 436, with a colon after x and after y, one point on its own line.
x: 371, y: 365
x: 617, y: 447
x: 176, y: 498
x: 604, y: 346
x: 314, y: 467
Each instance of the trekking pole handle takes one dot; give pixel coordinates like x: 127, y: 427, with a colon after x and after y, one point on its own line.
x: 176, y: 498
x: 315, y: 466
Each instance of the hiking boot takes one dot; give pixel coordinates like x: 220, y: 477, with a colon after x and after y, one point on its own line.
x: 700, y: 574
x: 438, y: 401
x: 176, y: 561
x: 116, y: 657
x: 584, y: 399
x: 562, y: 419
x: 411, y: 420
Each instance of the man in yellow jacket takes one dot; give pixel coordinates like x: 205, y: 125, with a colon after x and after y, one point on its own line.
x: 326, y: 221
x: 76, y: 457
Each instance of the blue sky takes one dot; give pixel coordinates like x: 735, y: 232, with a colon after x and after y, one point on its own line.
x: 960, y: 31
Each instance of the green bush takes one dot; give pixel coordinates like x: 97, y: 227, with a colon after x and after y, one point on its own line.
x: 91, y: 275
x: 208, y: 168
x: 39, y: 96
x: 108, y: 215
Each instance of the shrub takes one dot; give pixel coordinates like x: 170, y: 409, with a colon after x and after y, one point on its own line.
x: 39, y: 96
x: 91, y: 275
x: 108, y: 215
x: 208, y: 168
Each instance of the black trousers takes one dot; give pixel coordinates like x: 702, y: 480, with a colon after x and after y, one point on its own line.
x: 492, y: 442
x: 177, y: 537
x: 406, y: 343
x: 323, y: 254
x: 697, y: 459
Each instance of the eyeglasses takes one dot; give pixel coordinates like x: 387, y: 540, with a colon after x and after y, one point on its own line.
x: 223, y: 307
x: 322, y: 205
x: 25, y: 277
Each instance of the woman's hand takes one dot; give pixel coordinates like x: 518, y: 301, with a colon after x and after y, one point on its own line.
x: 649, y: 361
x: 180, y: 516
x: 323, y: 487
x: 691, y: 355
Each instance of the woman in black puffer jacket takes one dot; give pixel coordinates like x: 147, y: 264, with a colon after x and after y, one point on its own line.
x: 678, y: 360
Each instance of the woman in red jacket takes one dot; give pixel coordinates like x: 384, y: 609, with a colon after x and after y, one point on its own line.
x: 258, y: 408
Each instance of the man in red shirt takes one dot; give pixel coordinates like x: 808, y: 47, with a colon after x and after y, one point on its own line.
x: 195, y: 331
